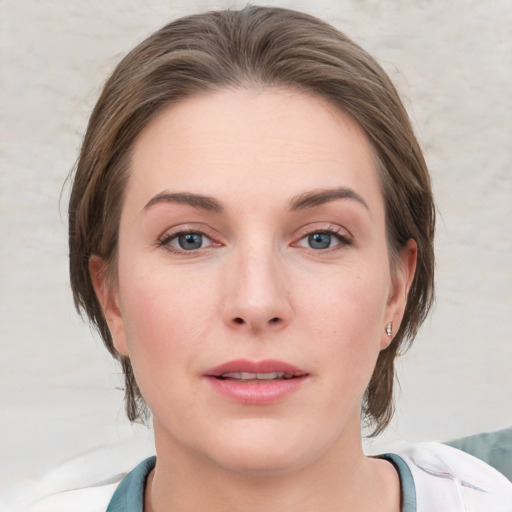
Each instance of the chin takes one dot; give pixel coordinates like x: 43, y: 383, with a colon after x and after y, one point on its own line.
x: 258, y: 451
x: 258, y: 462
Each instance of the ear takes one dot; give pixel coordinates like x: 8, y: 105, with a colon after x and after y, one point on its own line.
x: 108, y: 297
x: 400, y: 285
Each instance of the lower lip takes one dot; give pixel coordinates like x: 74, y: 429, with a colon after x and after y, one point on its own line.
x: 262, y: 392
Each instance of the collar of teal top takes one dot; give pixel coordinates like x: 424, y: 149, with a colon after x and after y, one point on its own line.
x: 407, y: 488
x: 129, y: 495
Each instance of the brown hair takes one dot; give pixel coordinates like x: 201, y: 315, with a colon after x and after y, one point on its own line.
x: 255, y: 46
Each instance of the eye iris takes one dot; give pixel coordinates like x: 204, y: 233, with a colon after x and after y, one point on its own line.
x: 190, y: 241
x: 319, y: 240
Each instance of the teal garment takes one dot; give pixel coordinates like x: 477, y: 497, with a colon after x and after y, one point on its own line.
x: 129, y: 496
x: 495, y: 448
x: 408, y: 491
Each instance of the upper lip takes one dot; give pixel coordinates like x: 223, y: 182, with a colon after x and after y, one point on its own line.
x: 264, y: 366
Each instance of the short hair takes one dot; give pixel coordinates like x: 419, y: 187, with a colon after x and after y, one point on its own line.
x: 247, y: 48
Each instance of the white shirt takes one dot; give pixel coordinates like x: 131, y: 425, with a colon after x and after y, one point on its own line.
x: 445, y: 480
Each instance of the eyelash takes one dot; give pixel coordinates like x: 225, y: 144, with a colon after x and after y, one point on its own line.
x: 165, y: 241
x: 343, y: 240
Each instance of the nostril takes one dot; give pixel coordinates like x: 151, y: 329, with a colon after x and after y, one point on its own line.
x: 240, y: 321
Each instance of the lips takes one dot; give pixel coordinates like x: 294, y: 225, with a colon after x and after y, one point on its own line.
x: 244, y: 376
x: 256, y: 383
x: 267, y: 369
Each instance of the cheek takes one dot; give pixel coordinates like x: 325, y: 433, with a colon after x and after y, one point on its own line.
x: 346, y: 300
x: 164, y: 322
x: 160, y: 341
x: 345, y: 319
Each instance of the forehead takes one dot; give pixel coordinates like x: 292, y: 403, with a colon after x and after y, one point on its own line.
x: 251, y: 142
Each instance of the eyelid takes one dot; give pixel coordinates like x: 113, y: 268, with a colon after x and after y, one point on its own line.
x: 343, y: 235
x: 171, y: 234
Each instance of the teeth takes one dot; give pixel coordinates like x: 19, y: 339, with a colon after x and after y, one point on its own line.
x: 256, y: 376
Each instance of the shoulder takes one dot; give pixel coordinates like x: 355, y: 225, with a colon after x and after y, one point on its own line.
x: 125, y: 495
x: 448, y: 479
x: 89, y: 499
x: 85, y: 482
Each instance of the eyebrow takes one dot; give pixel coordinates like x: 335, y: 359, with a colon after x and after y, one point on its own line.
x: 303, y: 201
x: 322, y: 196
x: 207, y: 203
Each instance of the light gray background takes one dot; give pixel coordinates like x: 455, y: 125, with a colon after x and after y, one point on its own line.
x: 452, y: 62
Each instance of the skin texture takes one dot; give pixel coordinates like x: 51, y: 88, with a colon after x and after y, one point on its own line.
x: 256, y: 289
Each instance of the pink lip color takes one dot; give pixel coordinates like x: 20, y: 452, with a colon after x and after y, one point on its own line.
x: 256, y: 393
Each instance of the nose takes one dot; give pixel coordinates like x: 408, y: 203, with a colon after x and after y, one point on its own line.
x: 256, y: 298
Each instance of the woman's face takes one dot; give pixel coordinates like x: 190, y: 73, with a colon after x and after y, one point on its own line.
x: 254, y: 283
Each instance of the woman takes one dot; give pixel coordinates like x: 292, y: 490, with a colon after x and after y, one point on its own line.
x: 251, y: 231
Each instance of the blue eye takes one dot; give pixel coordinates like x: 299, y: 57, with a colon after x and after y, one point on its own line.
x: 187, y: 241
x: 323, y: 240
x: 190, y: 241
x: 320, y: 240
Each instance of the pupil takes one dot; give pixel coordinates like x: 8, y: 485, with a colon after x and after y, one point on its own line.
x: 319, y: 240
x: 190, y: 241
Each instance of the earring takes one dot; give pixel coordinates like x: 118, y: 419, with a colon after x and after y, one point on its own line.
x: 389, y: 329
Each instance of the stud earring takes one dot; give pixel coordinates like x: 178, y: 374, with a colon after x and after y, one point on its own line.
x: 389, y: 329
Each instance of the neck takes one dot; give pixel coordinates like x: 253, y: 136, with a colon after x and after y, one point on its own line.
x: 341, y: 480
